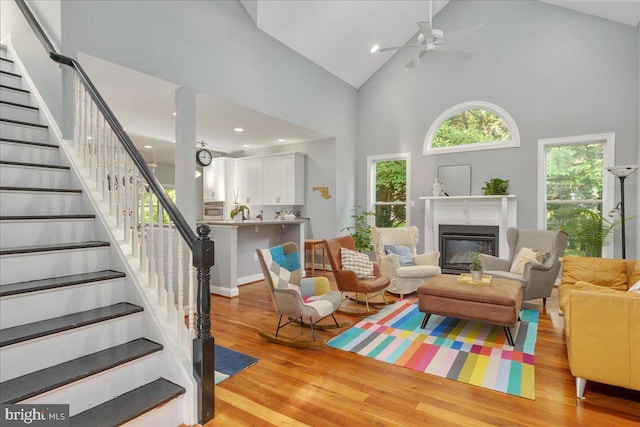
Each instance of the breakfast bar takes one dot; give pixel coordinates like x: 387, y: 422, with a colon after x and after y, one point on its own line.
x: 235, y: 261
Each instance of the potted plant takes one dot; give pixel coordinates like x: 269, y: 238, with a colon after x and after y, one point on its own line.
x: 475, y: 267
x: 239, y: 209
x: 495, y: 186
x: 361, y: 230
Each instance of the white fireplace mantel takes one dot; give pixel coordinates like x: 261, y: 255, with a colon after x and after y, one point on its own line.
x: 498, y: 211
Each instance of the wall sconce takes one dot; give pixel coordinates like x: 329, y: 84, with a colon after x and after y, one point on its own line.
x: 622, y: 172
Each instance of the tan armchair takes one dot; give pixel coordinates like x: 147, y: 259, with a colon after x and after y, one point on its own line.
x: 537, y: 279
x: 403, y: 279
x: 347, y: 280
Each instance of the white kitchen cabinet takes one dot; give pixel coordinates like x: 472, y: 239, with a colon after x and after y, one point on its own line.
x: 218, y: 180
x: 249, y: 180
x: 283, y: 179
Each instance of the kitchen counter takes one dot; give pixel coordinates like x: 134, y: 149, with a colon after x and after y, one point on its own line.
x: 256, y: 222
x: 235, y: 244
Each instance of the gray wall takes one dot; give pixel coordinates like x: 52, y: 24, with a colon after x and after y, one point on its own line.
x: 215, y: 48
x: 558, y: 73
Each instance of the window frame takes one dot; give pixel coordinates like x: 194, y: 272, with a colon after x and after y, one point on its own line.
x: 428, y: 148
x: 608, y: 180
x: 371, y: 167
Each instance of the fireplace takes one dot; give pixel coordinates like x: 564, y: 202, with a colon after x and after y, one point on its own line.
x: 457, y: 242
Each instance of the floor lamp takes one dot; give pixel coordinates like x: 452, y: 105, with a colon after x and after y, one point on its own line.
x: 622, y: 172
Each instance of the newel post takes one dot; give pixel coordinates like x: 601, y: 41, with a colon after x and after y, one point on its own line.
x: 203, y: 367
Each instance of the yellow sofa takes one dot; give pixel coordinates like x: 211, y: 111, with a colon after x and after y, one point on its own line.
x: 602, y: 321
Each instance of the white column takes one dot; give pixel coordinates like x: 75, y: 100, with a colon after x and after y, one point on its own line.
x: 185, y: 169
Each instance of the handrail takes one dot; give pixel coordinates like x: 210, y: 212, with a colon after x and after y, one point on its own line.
x: 176, y: 216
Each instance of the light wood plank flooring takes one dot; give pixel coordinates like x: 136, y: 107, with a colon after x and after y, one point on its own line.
x: 329, y: 387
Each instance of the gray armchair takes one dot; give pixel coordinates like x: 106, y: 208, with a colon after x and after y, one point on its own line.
x: 537, y: 277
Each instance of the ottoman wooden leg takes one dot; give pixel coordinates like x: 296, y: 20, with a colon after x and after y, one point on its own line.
x: 425, y: 320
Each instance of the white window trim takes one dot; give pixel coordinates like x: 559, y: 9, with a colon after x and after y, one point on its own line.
x: 371, y: 176
x: 608, y: 181
x: 428, y: 149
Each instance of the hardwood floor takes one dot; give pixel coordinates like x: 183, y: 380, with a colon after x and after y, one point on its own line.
x: 330, y: 387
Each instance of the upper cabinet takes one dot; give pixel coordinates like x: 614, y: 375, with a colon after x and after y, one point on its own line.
x: 218, y: 179
x: 249, y: 181
x: 283, y: 179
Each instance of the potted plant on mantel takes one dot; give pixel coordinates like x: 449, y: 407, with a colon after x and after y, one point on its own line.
x: 475, y: 267
x: 496, y: 186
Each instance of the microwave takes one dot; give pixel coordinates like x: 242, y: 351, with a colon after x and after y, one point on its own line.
x: 213, y: 211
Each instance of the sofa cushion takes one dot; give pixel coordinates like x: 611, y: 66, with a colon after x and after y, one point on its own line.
x: 608, y: 272
x: 404, y: 253
x: 357, y: 262
x: 526, y: 255
x: 633, y: 271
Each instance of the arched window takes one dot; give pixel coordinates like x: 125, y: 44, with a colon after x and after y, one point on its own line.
x: 471, y: 126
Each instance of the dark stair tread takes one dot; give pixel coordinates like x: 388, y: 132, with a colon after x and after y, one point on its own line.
x: 53, y: 247
x: 42, y: 328
x: 58, y: 282
x: 44, y: 190
x: 23, y: 123
x: 45, y: 217
x: 11, y: 74
x: 21, y: 141
x: 130, y: 405
x: 34, y: 383
x: 34, y: 165
x: 14, y: 88
x: 6, y: 59
x: 16, y: 104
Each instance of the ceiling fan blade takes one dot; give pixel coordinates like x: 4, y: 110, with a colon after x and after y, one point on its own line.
x: 421, y: 53
x: 384, y: 49
x: 425, y: 29
x: 464, y: 31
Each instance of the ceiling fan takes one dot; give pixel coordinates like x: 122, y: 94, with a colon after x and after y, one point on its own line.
x: 431, y: 40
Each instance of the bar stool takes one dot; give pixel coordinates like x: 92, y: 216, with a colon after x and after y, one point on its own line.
x: 313, y: 245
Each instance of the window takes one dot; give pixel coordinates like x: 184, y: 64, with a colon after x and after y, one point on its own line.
x: 171, y: 192
x: 471, y: 126
x: 574, y: 190
x: 388, y: 189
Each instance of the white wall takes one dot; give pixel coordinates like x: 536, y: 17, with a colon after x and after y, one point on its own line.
x: 557, y: 72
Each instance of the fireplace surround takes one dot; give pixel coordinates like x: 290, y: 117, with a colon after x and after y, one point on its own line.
x: 494, y: 211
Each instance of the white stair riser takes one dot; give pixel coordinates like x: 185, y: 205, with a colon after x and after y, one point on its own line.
x: 24, y: 133
x: 59, y: 302
x: 23, y: 358
x: 99, y: 388
x: 6, y: 66
x: 11, y: 80
x: 23, y: 267
x: 169, y: 414
x: 19, y: 113
x: 28, y: 233
x: 16, y: 96
x: 40, y: 203
x: 26, y: 176
x: 16, y: 152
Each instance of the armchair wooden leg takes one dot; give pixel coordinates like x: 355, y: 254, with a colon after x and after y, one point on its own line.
x: 544, y: 302
x: 366, y: 299
x: 383, y: 297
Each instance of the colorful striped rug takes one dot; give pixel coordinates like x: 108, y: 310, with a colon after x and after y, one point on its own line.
x: 229, y: 362
x: 466, y: 351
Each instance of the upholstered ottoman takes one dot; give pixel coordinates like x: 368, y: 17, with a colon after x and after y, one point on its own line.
x: 497, y: 304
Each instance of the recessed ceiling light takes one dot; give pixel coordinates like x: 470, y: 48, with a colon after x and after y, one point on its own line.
x: 174, y: 113
x: 148, y: 146
x: 89, y: 138
x: 246, y: 145
x: 173, y: 140
x: 374, y: 48
x: 238, y: 130
x: 281, y: 140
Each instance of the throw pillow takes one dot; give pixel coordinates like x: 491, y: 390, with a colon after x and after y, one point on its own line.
x: 635, y: 288
x: 404, y: 253
x: 607, y: 272
x: 526, y: 255
x: 357, y: 262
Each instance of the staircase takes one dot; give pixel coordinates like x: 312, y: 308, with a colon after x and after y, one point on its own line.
x: 73, y: 327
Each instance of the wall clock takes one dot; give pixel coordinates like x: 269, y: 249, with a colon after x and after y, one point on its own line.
x: 203, y: 157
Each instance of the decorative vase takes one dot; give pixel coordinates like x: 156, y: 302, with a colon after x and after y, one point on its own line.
x: 437, y: 188
x: 476, y: 275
